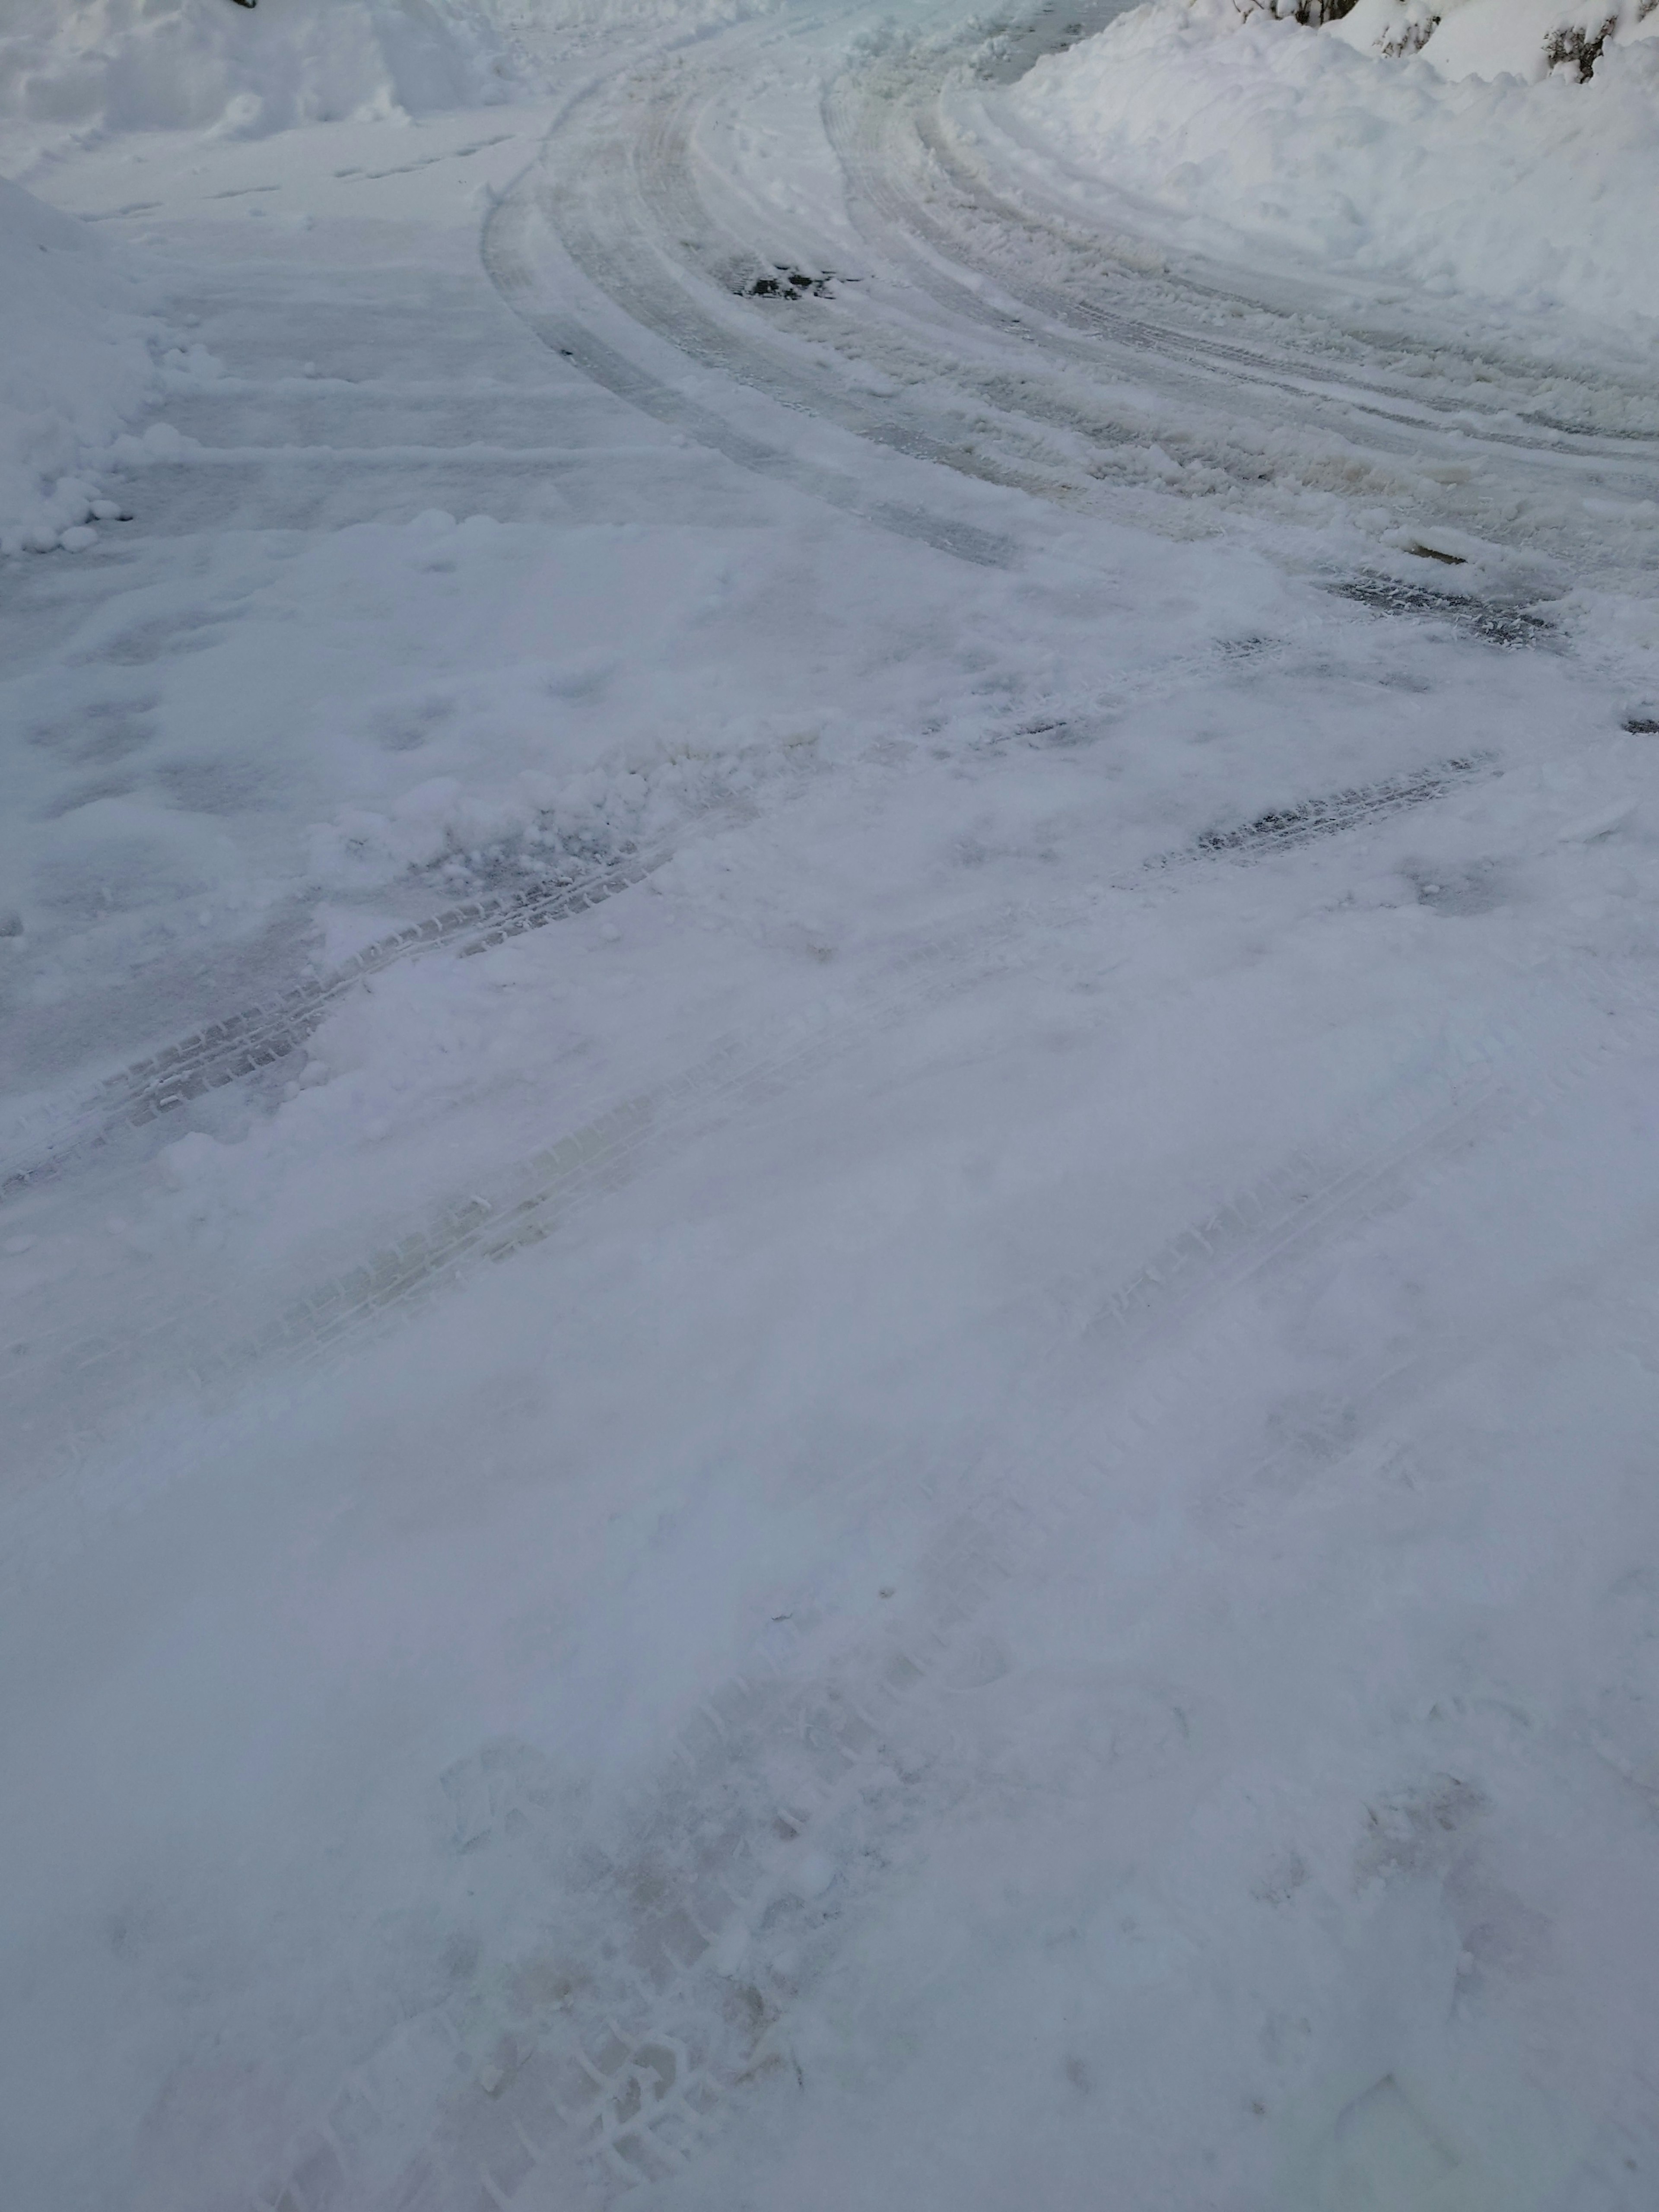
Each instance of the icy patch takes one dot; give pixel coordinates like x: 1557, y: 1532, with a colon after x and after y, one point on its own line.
x: 1534, y: 194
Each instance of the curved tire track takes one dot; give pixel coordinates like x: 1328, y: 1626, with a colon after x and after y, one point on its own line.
x: 538, y: 217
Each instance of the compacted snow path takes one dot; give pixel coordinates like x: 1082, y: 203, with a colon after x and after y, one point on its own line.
x: 829, y: 1206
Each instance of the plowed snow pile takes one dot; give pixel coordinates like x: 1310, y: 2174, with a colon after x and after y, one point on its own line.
x: 75, y: 362
x: 1539, y: 194
x: 93, y: 65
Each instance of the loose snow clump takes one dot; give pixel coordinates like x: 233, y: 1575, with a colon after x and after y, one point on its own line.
x: 75, y: 362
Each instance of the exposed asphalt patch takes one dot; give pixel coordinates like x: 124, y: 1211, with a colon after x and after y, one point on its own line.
x: 784, y: 283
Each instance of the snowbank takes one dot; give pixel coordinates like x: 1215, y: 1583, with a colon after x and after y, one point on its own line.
x: 75, y: 362
x: 1496, y: 38
x: 183, y: 64
x: 1539, y: 194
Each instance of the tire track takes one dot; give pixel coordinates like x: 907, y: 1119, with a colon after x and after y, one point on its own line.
x: 1490, y: 620
x: 1283, y: 828
x: 540, y: 213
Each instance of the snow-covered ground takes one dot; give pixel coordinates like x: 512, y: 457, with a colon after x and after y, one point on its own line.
x: 827, y: 1205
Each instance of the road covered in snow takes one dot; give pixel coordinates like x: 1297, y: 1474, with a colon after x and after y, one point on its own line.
x: 829, y: 1328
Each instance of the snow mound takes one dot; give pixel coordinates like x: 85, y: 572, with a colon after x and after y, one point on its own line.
x: 75, y: 362
x: 1498, y: 38
x: 92, y: 65
x: 1537, y: 195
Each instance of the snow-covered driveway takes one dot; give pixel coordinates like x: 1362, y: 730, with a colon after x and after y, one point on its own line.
x: 832, y: 1335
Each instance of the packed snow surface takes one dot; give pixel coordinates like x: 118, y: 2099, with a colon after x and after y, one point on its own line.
x: 828, y: 1169
x: 1535, y: 194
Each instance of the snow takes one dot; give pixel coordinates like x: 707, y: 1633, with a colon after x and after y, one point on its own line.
x: 1525, y: 39
x: 827, y: 1171
x: 75, y: 363
x: 1536, y: 196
